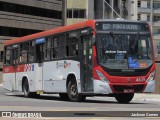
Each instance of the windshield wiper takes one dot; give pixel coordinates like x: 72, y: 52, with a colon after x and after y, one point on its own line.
x: 135, y: 40
x: 116, y: 39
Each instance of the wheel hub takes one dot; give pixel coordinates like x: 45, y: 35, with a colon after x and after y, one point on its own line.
x: 73, y: 90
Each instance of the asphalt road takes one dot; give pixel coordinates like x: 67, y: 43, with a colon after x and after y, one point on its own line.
x: 89, y: 109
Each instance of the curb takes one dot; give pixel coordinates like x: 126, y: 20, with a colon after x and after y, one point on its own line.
x: 147, y: 97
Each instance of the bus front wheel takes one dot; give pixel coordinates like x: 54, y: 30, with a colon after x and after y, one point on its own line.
x: 73, y: 92
x: 124, y: 97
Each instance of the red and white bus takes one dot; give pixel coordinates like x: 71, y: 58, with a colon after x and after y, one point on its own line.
x: 96, y: 57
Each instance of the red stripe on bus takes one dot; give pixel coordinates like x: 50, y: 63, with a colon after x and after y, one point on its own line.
x: 13, y: 69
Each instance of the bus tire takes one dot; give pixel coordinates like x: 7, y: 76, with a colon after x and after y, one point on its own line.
x: 64, y: 96
x: 124, y: 97
x: 26, y: 90
x: 72, y: 91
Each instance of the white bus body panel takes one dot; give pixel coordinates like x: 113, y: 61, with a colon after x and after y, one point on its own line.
x: 101, y: 87
x: 48, y: 76
x: 26, y: 70
x: 8, y: 81
x: 38, y: 74
x: 55, y: 74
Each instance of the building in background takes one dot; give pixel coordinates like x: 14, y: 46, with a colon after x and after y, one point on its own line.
x: 111, y: 9
x: 149, y: 10
x: 79, y: 10
x: 23, y: 17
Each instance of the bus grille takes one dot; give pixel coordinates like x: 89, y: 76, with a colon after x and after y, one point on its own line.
x: 121, y: 88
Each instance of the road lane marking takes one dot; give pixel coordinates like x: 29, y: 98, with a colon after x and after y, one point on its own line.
x: 9, y: 94
x: 14, y: 106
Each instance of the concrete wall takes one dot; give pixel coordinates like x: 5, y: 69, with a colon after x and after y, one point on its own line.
x: 77, y: 4
x: 90, y: 13
x: 17, y: 20
x: 74, y: 20
x: 88, y: 5
x: 99, y: 8
x: 48, y: 4
x: 31, y: 22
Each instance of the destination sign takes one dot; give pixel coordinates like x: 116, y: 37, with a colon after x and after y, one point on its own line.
x: 125, y: 26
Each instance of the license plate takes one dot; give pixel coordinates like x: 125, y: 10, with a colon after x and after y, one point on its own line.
x: 128, y: 90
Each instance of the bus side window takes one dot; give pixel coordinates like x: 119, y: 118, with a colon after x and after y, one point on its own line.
x: 60, y: 49
x: 67, y: 50
x: 54, y: 45
x: 53, y: 53
x: 74, y: 50
x: 48, y: 48
x: 24, y: 53
x: 31, y: 52
x: 15, y: 56
x: 40, y: 52
x: 71, y: 46
x: 8, y: 56
x: 57, y: 50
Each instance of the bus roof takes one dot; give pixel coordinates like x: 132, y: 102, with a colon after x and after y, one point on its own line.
x: 119, y: 20
x: 89, y: 23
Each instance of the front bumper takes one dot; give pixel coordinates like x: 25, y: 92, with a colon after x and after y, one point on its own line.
x: 150, y: 87
x: 108, y: 88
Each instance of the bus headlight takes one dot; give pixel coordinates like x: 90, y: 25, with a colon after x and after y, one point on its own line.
x: 151, y: 76
x: 101, y: 76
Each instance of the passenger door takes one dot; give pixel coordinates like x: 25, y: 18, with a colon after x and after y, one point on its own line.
x: 39, y: 66
x: 86, y: 63
x: 14, y: 63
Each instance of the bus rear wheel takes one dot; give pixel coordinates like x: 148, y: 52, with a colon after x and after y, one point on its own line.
x: 72, y: 91
x: 26, y: 90
x: 124, y: 97
x: 25, y: 87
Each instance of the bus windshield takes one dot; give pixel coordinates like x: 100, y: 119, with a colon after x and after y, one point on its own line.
x: 124, y: 51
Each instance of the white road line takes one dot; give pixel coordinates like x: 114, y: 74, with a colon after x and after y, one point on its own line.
x: 9, y: 94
